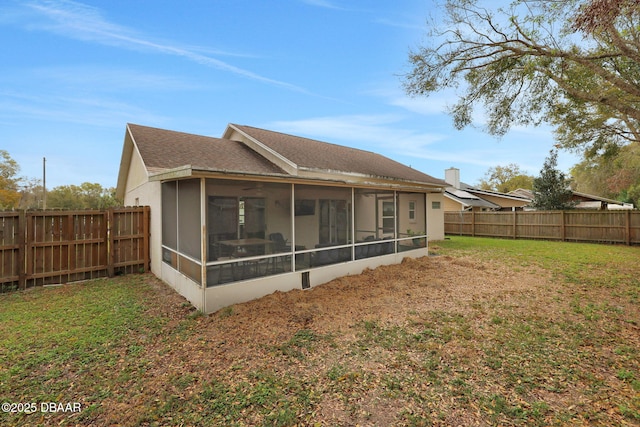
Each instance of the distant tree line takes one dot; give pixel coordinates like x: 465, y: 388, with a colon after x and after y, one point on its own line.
x: 18, y: 192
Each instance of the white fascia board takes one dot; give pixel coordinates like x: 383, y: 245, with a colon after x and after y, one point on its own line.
x: 268, y: 153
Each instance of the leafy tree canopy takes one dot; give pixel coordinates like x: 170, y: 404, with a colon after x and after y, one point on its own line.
x: 615, y: 174
x: 551, y: 189
x: 84, y: 196
x: 574, y: 64
x: 506, y: 178
x: 9, y: 180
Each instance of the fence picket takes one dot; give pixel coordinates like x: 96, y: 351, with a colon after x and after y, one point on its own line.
x: 43, y: 247
x: 577, y: 225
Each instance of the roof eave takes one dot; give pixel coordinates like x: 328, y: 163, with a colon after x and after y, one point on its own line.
x: 358, y: 178
x: 189, y: 171
x: 125, y: 162
x: 267, y: 152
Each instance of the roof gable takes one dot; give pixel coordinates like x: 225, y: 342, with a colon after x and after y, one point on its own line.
x: 164, y: 150
x: 166, y: 154
x: 314, y: 155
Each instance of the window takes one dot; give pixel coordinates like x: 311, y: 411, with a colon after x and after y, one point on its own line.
x: 388, y: 217
x: 412, y: 211
x: 435, y: 205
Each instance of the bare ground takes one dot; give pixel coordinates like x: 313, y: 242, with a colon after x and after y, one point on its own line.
x: 249, y: 338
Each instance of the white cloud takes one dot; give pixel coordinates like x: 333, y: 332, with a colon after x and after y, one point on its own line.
x: 380, y: 133
x: 82, y: 22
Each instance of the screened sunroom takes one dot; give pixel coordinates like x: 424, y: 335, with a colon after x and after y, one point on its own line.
x: 255, y: 229
x: 257, y: 211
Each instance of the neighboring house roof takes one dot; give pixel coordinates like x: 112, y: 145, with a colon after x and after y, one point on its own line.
x: 521, y: 192
x: 260, y: 152
x: 472, y: 197
x: 586, y: 201
x: 481, y: 192
x: 467, y: 199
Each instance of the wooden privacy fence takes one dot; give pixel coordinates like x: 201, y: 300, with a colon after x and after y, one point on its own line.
x: 47, y: 247
x: 577, y: 225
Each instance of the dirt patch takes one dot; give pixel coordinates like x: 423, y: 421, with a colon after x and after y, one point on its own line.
x: 387, y: 294
x: 347, y: 342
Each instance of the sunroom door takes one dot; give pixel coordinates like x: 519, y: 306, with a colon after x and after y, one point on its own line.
x: 334, y: 222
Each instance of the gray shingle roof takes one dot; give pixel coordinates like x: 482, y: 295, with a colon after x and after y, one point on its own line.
x: 165, y: 149
x: 317, y: 155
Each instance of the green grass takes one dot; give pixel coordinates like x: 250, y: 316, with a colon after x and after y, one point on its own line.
x: 76, y: 343
x: 571, y: 359
x: 580, y: 263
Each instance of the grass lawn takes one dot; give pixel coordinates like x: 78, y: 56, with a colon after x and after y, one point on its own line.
x: 486, y: 332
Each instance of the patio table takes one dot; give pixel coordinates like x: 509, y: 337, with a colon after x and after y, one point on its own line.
x: 241, y: 248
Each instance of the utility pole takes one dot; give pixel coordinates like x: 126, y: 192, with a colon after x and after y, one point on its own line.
x: 44, y: 183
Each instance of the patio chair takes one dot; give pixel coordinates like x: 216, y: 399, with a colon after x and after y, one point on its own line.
x: 279, y: 243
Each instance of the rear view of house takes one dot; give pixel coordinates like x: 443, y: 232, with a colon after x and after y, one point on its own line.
x: 239, y: 217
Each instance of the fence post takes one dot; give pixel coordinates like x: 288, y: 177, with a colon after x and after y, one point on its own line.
x: 145, y: 227
x: 564, y: 234
x: 515, y: 222
x: 22, y: 250
x: 628, y: 227
x: 473, y: 224
x: 110, y: 244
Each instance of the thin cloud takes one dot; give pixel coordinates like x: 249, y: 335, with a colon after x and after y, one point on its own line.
x: 383, y: 132
x: 399, y: 24
x: 83, y: 22
x: 322, y: 3
x: 113, y: 79
x: 85, y: 110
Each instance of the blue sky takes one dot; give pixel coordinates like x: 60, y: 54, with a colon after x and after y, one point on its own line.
x: 74, y: 73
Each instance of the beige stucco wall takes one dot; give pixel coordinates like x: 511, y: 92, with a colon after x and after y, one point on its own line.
x: 417, y: 225
x: 136, y: 176
x: 435, y: 217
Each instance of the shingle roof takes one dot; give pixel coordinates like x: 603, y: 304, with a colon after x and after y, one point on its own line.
x: 317, y: 155
x: 469, y: 199
x: 165, y: 149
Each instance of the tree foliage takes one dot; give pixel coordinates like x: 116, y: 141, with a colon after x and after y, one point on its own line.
x: 84, y: 196
x: 551, y: 189
x: 9, y: 181
x: 574, y: 64
x: 23, y: 193
x: 614, y: 174
x: 506, y: 178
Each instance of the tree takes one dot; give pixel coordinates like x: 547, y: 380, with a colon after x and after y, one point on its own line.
x: 9, y: 181
x: 614, y: 174
x: 506, y: 178
x: 32, y: 194
x: 85, y: 196
x: 551, y: 189
x: 574, y: 64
